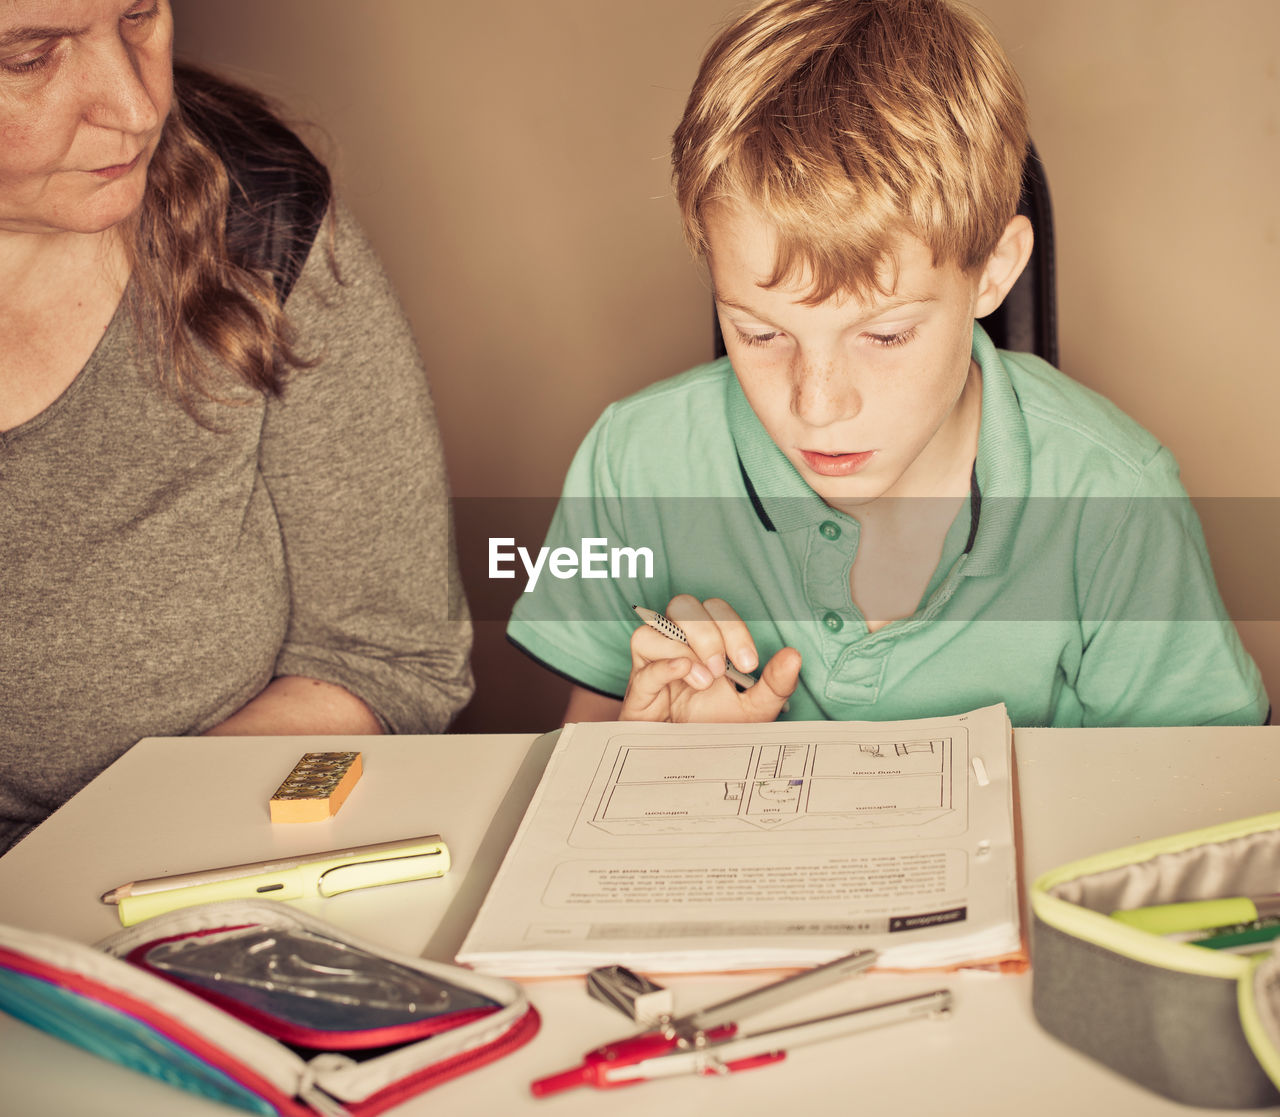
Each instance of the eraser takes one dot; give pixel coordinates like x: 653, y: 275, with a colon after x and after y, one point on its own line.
x: 318, y: 785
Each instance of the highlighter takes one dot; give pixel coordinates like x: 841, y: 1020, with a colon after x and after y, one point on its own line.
x: 1195, y: 915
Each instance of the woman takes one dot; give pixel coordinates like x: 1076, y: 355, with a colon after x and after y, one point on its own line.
x: 222, y: 497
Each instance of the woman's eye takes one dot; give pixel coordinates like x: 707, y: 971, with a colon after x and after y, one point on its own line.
x: 29, y: 60
x: 142, y: 16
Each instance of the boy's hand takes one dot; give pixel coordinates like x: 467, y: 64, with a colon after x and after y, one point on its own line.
x: 671, y: 681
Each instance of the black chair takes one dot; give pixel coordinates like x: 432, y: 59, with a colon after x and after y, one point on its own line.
x: 1027, y: 320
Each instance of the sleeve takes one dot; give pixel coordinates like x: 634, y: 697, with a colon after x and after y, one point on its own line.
x: 1158, y: 645
x: 576, y: 618
x: 354, y: 465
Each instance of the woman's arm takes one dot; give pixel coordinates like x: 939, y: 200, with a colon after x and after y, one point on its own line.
x: 293, y: 704
x: 354, y: 465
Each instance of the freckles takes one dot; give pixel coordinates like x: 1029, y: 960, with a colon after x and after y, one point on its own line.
x: 805, y: 379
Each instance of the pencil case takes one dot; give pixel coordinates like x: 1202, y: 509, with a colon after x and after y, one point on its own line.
x: 264, y: 1008
x: 1199, y: 1026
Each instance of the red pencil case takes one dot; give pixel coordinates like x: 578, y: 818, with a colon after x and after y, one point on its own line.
x: 265, y: 1008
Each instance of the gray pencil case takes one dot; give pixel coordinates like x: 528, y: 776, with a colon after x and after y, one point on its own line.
x: 1199, y: 1026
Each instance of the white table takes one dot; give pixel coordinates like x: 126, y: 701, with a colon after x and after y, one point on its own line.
x: 174, y: 805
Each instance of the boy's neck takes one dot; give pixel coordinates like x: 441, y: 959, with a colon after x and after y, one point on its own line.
x: 942, y: 472
x: 903, y: 534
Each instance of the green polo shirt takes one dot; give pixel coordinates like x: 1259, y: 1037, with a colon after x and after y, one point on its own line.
x: 1074, y: 585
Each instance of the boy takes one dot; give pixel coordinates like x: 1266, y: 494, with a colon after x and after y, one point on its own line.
x: 896, y: 519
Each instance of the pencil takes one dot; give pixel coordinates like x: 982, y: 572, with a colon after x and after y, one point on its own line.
x: 673, y: 631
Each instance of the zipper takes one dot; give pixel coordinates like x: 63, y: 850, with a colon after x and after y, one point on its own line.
x: 313, y: 1096
x: 520, y: 1033
x: 168, y: 1027
x: 308, y: 1093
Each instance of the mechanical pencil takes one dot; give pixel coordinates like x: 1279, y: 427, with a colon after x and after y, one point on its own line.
x: 673, y: 631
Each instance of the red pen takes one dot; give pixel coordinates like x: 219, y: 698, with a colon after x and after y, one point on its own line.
x: 760, y: 1048
x: 708, y: 1041
x: 602, y: 1066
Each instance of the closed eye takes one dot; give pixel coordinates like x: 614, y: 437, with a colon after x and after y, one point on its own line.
x: 140, y: 17
x: 888, y: 341
x: 755, y: 339
x: 31, y: 60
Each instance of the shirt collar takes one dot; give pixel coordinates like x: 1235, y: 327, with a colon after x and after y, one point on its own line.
x: 1002, y: 473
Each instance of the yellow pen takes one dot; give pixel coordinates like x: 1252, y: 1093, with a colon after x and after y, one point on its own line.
x: 312, y: 874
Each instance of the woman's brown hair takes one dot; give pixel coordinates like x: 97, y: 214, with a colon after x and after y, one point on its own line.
x: 232, y: 202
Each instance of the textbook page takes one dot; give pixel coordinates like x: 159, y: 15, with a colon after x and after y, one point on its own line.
x: 678, y: 848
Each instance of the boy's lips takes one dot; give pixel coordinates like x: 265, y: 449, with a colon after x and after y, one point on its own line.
x: 836, y: 465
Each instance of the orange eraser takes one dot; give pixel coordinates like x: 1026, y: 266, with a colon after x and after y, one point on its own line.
x: 318, y: 785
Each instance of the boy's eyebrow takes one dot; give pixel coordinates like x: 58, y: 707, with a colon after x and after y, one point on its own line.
x: 883, y: 308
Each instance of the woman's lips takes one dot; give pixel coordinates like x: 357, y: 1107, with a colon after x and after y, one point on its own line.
x: 836, y: 465
x: 117, y: 170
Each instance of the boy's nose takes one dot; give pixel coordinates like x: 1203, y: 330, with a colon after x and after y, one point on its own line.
x: 823, y: 392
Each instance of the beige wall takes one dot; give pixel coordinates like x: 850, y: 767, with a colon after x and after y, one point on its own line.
x: 508, y: 161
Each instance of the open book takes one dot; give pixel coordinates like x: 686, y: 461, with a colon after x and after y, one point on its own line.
x: 722, y: 847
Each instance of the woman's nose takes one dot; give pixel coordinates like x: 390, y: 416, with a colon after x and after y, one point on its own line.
x: 116, y: 93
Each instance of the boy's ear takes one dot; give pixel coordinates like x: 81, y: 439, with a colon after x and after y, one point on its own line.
x: 1004, y: 265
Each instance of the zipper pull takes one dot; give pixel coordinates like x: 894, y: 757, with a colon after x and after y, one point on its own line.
x: 312, y: 1095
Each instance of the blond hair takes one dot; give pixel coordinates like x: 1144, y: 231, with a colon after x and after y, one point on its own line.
x: 848, y: 123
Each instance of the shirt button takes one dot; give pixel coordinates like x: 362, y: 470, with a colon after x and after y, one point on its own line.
x: 829, y: 530
x: 833, y: 621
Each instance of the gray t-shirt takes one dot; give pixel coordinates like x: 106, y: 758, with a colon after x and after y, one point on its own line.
x: 155, y: 574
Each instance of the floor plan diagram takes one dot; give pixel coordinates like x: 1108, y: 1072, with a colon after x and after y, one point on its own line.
x: 649, y: 787
x: 690, y: 847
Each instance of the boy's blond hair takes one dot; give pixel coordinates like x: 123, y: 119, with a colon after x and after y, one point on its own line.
x: 848, y: 123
